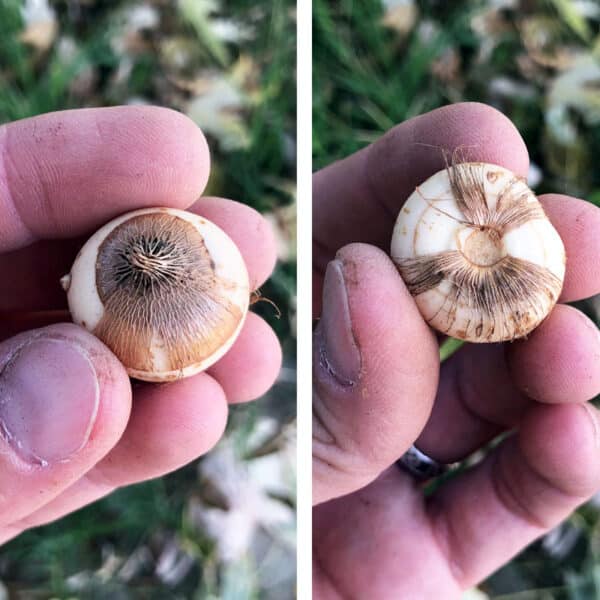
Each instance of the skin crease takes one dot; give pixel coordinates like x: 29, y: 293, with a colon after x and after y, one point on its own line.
x: 117, y: 160
x: 401, y: 545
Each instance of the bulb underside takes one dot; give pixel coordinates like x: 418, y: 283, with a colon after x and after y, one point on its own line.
x: 477, y: 251
x: 166, y: 290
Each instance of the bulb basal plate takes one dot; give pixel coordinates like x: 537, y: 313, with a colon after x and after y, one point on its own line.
x: 166, y: 290
x: 478, y: 253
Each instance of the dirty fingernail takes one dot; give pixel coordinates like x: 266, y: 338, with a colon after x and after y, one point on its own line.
x: 338, y: 351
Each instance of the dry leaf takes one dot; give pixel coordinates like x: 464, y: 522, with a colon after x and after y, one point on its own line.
x: 245, y: 490
x: 174, y: 563
x: 447, y: 66
x: 578, y: 88
x: 542, y: 38
x: 283, y: 222
x: 400, y: 15
x: 41, y: 25
x: 219, y: 111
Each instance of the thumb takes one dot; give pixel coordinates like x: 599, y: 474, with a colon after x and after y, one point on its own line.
x: 64, y: 403
x: 376, y: 368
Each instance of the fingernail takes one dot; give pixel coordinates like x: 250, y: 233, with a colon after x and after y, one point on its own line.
x: 338, y: 354
x: 49, y: 397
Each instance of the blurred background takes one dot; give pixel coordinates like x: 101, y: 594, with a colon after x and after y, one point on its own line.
x: 380, y: 62
x: 224, y: 526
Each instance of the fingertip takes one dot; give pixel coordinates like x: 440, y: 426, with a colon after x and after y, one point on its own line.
x: 180, y: 148
x: 251, y: 232
x: 578, y: 223
x: 68, y: 171
x: 483, y: 134
x: 174, y: 423
x: 562, y: 444
x: 488, y: 134
x: 251, y: 366
x: 560, y: 361
x: 210, y: 420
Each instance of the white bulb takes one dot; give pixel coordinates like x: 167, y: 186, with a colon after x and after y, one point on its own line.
x: 478, y: 253
x: 166, y: 290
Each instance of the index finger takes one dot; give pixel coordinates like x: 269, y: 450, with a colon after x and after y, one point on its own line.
x: 34, y: 272
x: 64, y: 173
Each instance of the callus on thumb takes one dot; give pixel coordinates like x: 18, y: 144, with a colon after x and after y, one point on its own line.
x: 64, y: 403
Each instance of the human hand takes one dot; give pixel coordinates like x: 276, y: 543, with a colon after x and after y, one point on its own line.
x: 73, y: 426
x: 379, y: 387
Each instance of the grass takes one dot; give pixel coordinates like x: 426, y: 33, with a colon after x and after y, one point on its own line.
x: 229, y: 65
x: 368, y: 77
x: 538, y: 63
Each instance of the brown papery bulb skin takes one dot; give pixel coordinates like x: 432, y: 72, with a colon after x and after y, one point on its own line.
x: 478, y: 253
x: 166, y: 290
